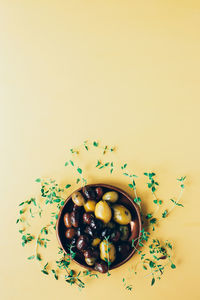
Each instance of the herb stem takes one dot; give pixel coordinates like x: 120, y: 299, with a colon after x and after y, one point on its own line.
x: 178, y: 199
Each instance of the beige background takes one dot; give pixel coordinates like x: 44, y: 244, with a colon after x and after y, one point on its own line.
x: 123, y: 72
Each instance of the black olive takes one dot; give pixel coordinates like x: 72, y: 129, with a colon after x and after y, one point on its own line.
x: 91, y: 231
x: 101, y: 267
x: 88, y: 217
x: 96, y: 224
x: 88, y: 192
x: 123, y: 250
x: 82, y: 242
x: 76, y: 208
x: 79, y: 231
x: 96, y: 253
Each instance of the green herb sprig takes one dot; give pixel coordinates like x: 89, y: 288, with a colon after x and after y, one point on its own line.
x: 132, y: 185
x: 107, y: 260
x: 154, y: 254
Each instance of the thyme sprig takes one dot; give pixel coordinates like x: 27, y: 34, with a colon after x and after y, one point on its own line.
x: 176, y: 203
x: 78, y: 170
x: 154, y: 254
x: 132, y: 185
x: 107, y: 251
x: 127, y: 286
x: 152, y: 185
x: 88, y: 145
x: 72, y: 277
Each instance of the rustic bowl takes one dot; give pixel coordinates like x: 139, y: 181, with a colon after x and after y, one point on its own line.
x: 135, y: 224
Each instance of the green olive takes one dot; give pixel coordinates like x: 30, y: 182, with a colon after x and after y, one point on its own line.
x: 122, y: 215
x: 96, y: 242
x: 90, y: 261
x: 111, y: 196
x: 107, y: 251
x: 124, y: 231
x: 78, y: 199
x: 103, y: 211
x: 90, y: 205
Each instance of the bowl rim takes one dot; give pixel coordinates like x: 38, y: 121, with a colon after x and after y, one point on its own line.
x: 136, y: 207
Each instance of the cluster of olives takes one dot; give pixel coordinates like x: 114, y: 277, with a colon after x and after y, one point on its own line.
x: 98, y: 228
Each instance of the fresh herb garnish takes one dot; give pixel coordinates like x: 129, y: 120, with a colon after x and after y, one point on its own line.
x: 154, y: 254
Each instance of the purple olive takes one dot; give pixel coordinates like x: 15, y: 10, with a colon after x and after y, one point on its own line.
x: 88, y: 192
x: 91, y: 252
x: 115, y: 236
x: 101, y: 267
x: 67, y: 220
x: 123, y: 250
x: 70, y: 233
x: 88, y: 217
x: 75, y: 217
x: 99, y: 192
x: 92, y: 232
x: 88, y: 253
x: 82, y: 242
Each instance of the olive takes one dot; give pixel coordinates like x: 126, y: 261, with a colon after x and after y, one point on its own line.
x: 76, y: 208
x: 111, y: 225
x: 107, y: 251
x: 111, y: 196
x: 75, y: 217
x: 79, y: 231
x: 96, y: 253
x: 67, y: 220
x: 90, y: 206
x: 70, y: 233
x: 122, y: 215
x: 101, y: 267
x: 96, y: 242
x: 124, y: 230
x: 88, y: 192
x: 105, y: 232
x: 82, y: 242
x: 123, y: 250
x: 91, y: 253
x: 89, y: 230
x: 96, y: 224
x: 115, y: 236
x: 99, y: 192
x: 88, y: 217
x: 90, y: 261
x: 78, y: 199
x: 103, y: 211
x: 88, y: 253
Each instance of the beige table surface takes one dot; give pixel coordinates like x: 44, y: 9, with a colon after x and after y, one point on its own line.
x: 125, y: 73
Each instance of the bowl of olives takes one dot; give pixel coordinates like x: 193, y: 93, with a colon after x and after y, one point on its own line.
x: 98, y: 222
